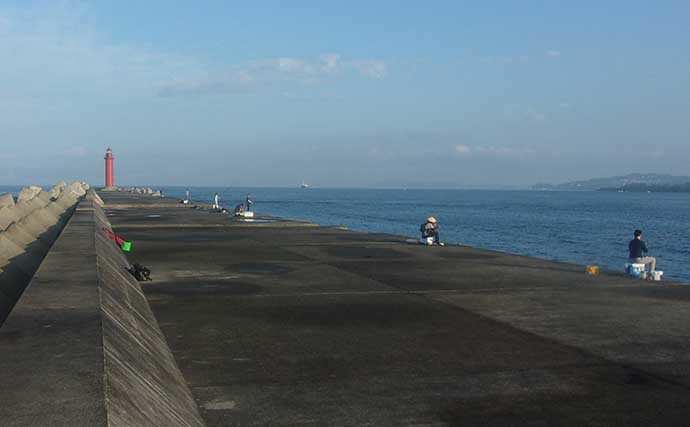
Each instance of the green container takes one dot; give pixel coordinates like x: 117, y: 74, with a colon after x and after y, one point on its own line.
x: 127, y: 246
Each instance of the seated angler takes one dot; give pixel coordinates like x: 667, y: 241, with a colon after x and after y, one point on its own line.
x: 429, y: 231
x: 638, y: 250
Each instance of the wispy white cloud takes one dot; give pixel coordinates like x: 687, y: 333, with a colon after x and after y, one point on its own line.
x: 463, y: 150
x: 76, y: 151
x: 56, y: 51
x: 256, y: 73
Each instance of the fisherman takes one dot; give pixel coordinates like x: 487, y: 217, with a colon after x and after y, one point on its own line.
x: 430, y: 230
x: 249, y: 202
x: 186, y: 197
x: 216, y: 205
x: 239, y: 209
x: 638, y: 249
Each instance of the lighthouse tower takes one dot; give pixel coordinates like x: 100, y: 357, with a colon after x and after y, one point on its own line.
x: 109, y: 169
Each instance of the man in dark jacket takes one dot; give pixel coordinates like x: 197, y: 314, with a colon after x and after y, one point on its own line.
x: 638, y: 250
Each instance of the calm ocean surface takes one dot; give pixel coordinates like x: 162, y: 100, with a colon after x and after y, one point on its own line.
x: 576, y: 227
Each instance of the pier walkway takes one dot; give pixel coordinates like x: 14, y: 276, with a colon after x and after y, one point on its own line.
x: 286, y: 323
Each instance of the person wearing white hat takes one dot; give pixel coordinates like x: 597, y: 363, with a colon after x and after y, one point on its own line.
x: 430, y: 231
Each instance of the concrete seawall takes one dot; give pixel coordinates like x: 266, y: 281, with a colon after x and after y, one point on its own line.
x: 28, y: 229
x: 82, y: 344
x: 277, y: 323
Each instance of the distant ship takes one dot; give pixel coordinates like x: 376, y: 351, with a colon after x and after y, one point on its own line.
x: 304, y: 185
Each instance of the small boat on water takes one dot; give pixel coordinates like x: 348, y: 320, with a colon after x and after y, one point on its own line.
x: 304, y: 185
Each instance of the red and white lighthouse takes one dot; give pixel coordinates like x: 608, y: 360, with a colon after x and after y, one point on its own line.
x: 109, y: 168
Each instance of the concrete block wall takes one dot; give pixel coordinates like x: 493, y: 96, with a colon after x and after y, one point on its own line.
x: 144, y: 386
x: 82, y: 343
x: 28, y: 228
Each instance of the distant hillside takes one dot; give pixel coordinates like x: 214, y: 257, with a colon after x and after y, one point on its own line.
x: 652, y: 188
x: 632, y: 182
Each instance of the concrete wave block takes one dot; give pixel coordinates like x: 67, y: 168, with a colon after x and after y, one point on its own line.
x: 19, y: 235
x: 8, y: 248
x: 8, y: 215
x: 57, y: 189
x: 48, y: 220
x: 38, y: 222
x: 23, y: 260
x: 28, y: 193
x: 55, y: 209
x: 25, y: 207
x: 31, y: 225
x: 6, y: 200
x: 44, y: 197
x: 76, y: 188
x: 66, y: 200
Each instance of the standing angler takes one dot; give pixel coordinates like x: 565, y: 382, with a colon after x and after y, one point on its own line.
x: 248, y: 203
x: 216, y: 199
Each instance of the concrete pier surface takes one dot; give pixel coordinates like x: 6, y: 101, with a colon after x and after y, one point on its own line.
x: 286, y: 323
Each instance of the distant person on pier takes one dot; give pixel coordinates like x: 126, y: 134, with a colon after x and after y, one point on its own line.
x: 638, y: 250
x: 430, y: 230
x: 249, y: 202
x: 216, y: 199
x: 239, y: 209
x: 186, y: 197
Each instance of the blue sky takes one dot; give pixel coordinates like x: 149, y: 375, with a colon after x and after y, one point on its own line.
x: 353, y: 94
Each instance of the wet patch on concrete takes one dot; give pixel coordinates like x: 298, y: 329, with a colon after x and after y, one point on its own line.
x: 468, y: 255
x: 219, y: 405
x: 207, y: 287
x: 364, y: 252
x: 261, y: 268
x: 357, y: 237
x: 197, y: 239
x: 351, y: 315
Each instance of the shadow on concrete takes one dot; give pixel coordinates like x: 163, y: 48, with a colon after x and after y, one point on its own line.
x: 18, y: 273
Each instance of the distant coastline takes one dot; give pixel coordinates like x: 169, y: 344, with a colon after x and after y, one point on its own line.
x: 640, y: 183
x: 646, y: 188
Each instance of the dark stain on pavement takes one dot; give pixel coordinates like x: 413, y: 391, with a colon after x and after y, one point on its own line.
x: 360, y: 252
x: 261, y: 268
x: 209, y: 287
x: 381, y: 314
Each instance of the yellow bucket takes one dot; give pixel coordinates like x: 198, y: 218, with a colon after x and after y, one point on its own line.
x: 592, y: 270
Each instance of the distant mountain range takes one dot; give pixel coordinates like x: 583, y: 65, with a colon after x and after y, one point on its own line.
x: 633, y: 182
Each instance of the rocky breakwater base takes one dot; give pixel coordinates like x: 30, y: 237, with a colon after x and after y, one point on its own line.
x: 28, y: 228
x: 82, y: 348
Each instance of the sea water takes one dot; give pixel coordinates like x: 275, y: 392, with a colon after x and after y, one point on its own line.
x: 575, y: 227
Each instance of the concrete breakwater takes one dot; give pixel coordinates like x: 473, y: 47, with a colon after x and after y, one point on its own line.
x: 82, y: 344
x: 278, y: 323
x: 28, y: 228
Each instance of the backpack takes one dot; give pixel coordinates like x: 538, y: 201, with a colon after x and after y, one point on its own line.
x: 140, y: 272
